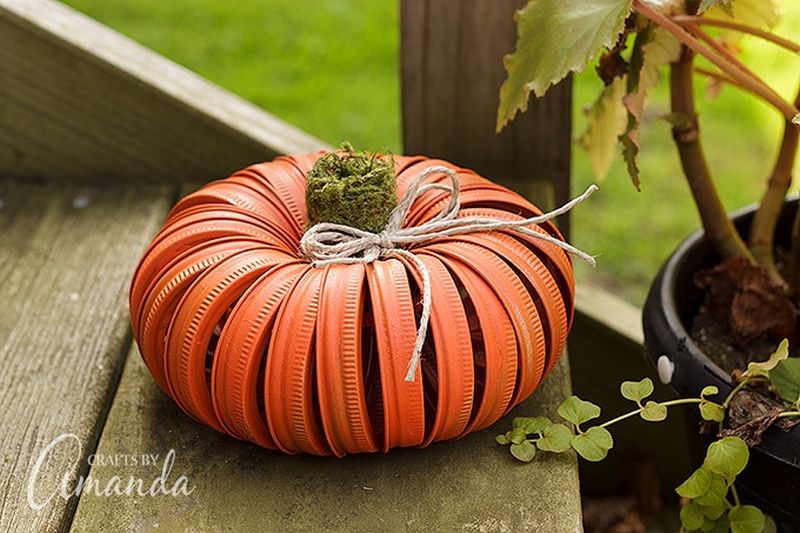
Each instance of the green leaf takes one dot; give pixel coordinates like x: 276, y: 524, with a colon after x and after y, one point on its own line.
x: 654, y: 411
x: 708, y: 390
x: 785, y: 378
x: 713, y: 512
x: 763, y: 369
x: 636, y: 391
x: 705, y: 5
x: 691, y: 517
x: 746, y: 519
x: 715, y: 495
x: 541, y: 57
x: 555, y: 438
x: 712, y: 412
x: 516, y: 435
x: 531, y: 424
x: 758, y: 13
x: 696, y: 485
x: 769, y: 524
x: 502, y: 439
x: 577, y: 411
x: 605, y: 121
x: 727, y: 456
x: 653, y: 49
x: 524, y: 451
x: 594, y: 444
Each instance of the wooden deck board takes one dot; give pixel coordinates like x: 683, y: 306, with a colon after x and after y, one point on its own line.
x: 470, y: 485
x: 66, y: 255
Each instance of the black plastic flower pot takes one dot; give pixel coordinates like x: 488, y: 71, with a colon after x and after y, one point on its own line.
x: 772, y: 478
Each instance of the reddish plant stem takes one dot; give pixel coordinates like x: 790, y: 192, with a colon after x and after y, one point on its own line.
x: 762, y: 232
x: 722, y: 51
x: 718, y: 227
x: 747, y: 81
x: 685, y: 20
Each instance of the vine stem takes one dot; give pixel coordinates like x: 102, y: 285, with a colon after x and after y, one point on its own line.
x: 685, y: 20
x: 735, y: 495
x: 670, y: 403
x: 747, y: 81
x: 762, y: 231
x: 787, y: 414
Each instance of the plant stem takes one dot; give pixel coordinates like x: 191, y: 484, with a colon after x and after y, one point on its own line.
x: 684, y: 20
x: 670, y: 403
x: 762, y: 231
x: 718, y: 227
x: 794, y: 258
x: 787, y: 414
x: 717, y: 76
x: 746, y: 80
x: 735, y: 495
x: 736, y: 389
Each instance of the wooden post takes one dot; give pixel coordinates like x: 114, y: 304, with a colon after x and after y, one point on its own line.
x: 452, y: 69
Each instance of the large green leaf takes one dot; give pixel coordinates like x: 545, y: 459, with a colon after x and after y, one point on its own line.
x: 605, y: 121
x: 759, y: 13
x: 653, y: 48
x: 785, y: 378
x: 556, y: 37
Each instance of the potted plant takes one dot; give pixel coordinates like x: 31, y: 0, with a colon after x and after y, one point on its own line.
x: 729, y: 294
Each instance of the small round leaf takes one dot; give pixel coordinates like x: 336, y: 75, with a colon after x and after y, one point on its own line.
x: 516, y: 435
x: 727, y: 456
x: 654, y: 411
x: 556, y: 438
x: 524, y: 451
x: 715, y: 495
x: 594, y: 444
x: 712, y: 412
x: 636, y: 391
x: 709, y: 390
x: 746, y: 519
x: 502, y: 439
x: 696, y: 485
x: 691, y: 517
x: 531, y: 424
x: 578, y: 411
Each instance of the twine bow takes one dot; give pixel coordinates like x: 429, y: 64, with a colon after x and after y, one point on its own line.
x: 327, y: 243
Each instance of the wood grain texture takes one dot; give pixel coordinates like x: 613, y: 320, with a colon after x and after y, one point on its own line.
x: 66, y: 255
x: 469, y: 485
x: 80, y: 101
x: 452, y: 69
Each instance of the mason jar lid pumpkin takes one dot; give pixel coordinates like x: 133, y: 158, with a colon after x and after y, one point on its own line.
x: 347, y: 302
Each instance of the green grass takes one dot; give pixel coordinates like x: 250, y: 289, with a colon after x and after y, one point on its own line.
x: 331, y: 68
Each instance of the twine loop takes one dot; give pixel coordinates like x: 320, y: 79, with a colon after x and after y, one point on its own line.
x: 329, y: 244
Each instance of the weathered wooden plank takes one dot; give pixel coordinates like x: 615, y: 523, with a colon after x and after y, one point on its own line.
x: 452, y: 70
x: 78, y: 101
x: 469, y: 485
x: 66, y: 255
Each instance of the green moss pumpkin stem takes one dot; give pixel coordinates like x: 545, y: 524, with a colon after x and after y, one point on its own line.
x: 762, y: 232
x: 718, y: 227
x: 357, y: 189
